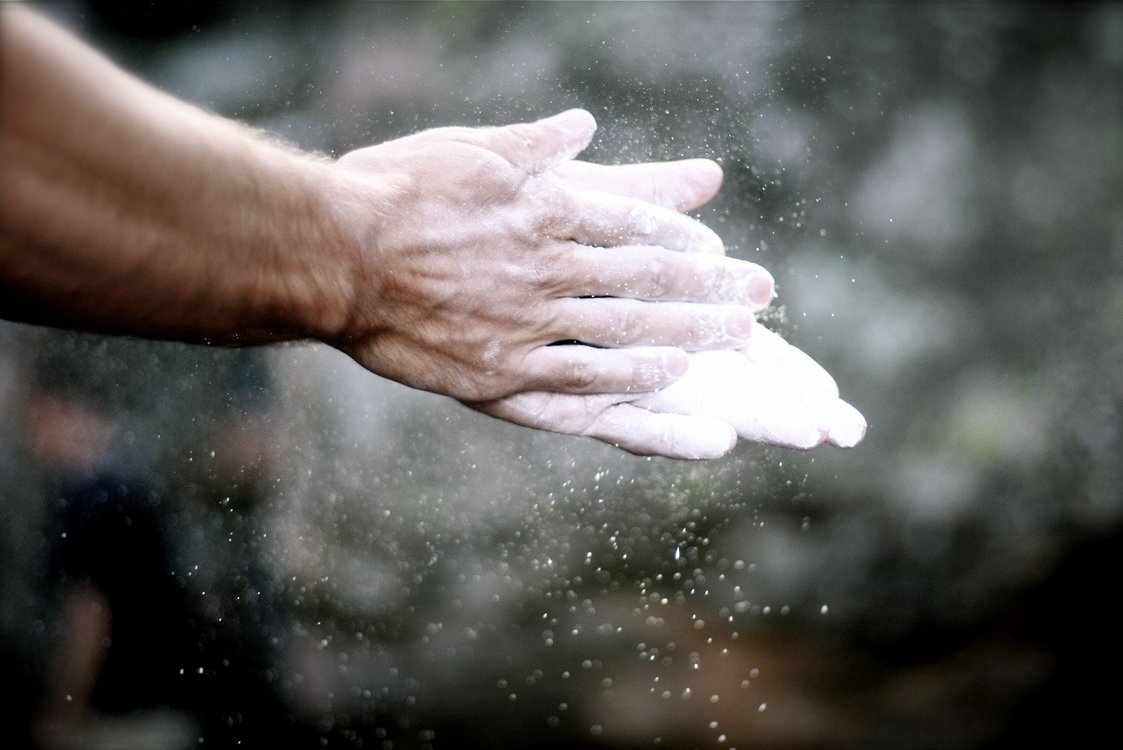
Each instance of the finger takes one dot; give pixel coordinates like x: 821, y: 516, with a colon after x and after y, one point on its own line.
x: 678, y: 185
x: 538, y: 146
x: 635, y: 430
x: 623, y: 322
x: 782, y: 417
x: 646, y: 433
x: 655, y: 273
x: 764, y: 404
x: 758, y: 407
x: 847, y: 425
x: 584, y: 369
x: 533, y: 147
x: 607, y: 220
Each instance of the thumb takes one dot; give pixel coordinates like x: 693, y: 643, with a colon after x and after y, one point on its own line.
x: 537, y: 146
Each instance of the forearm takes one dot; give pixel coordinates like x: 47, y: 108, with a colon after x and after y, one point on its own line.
x: 451, y: 260
x: 125, y: 210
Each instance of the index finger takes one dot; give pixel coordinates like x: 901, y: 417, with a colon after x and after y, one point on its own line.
x: 677, y: 185
x: 533, y: 147
x: 655, y: 273
x: 607, y: 419
x: 607, y: 220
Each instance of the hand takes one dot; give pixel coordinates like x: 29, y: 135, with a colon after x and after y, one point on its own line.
x: 481, y: 249
x: 611, y: 418
x: 769, y: 391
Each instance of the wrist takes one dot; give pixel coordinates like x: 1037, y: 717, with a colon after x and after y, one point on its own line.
x: 311, y: 282
x: 339, y: 299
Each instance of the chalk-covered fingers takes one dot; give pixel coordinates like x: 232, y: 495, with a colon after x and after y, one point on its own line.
x: 678, y: 185
x: 531, y: 147
x: 781, y: 397
x: 645, y: 433
x: 551, y: 143
x: 607, y: 419
x: 655, y: 273
x: 586, y: 369
x: 538, y: 146
x: 607, y: 220
x: 610, y: 322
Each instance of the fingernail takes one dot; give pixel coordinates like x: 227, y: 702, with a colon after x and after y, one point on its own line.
x: 762, y: 288
x: 847, y: 425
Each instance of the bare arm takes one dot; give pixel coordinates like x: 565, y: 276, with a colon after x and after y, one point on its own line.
x: 126, y: 210
x: 449, y: 261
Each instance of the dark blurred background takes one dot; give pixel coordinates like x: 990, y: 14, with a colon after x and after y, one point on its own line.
x: 282, y: 549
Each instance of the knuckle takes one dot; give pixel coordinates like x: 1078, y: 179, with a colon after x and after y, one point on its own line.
x: 662, y: 278
x: 489, y: 374
x: 629, y: 326
x: 539, y: 274
x: 553, y: 207
x: 642, y: 222
x: 580, y: 374
x: 546, y: 274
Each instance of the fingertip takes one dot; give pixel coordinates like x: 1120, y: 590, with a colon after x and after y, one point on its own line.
x: 739, y: 326
x: 576, y: 127
x: 847, y: 425
x: 762, y: 288
x: 723, y: 441
x: 801, y: 434
x: 697, y: 181
x: 576, y: 120
x: 645, y: 433
x: 709, y: 171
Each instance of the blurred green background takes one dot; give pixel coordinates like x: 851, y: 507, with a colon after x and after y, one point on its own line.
x: 936, y: 188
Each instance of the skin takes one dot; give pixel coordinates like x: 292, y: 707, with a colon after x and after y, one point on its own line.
x: 452, y: 260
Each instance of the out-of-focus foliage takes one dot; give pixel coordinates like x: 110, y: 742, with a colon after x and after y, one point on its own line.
x: 936, y: 188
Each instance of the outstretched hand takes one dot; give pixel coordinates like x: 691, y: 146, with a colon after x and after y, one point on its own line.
x: 483, y: 249
x: 768, y: 391
x: 485, y: 264
x: 765, y: 391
